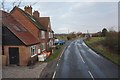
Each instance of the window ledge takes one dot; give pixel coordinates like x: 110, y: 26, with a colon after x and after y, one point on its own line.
x: 33, y: 55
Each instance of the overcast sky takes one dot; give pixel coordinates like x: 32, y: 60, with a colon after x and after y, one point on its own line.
x: 78, y: 16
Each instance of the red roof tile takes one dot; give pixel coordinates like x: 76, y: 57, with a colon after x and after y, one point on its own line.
x: 32, y: 19
x: 17, y: 29
x: 44, y: 21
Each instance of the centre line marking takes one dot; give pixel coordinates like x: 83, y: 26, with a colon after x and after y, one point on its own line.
x: 57, y: 64
x: 91, y: 75
x: 82, y: 58
x: 54, y: 75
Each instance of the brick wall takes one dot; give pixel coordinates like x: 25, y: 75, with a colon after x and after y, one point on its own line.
x: 24, y: 54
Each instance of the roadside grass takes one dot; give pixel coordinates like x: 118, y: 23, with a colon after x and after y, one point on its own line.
x: 95, y: 44
x: 55, y: 54
x: 62, y: 37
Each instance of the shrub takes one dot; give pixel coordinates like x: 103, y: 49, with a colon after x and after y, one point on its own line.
x: 111, y: 40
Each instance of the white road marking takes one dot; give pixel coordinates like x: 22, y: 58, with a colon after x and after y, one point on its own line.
x: 91, y: 50
x: 69, y: 46
x: 94, y: 52
x: 84, y: 44
x: 82, y: 58
x: 91, y: 75
x: 62, y: 52
x: 54, y: 75
x: 57, y: 64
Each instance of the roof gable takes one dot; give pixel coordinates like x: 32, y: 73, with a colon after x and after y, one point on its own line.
x: 17, y: 29
x: 44, y: 21
x: 30, y: 18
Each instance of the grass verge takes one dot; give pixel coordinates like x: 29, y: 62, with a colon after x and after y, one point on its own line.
x: 55, y: 54
x: 94, y: 43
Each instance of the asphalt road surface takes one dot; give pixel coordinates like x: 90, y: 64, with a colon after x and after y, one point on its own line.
x: 79, y: 61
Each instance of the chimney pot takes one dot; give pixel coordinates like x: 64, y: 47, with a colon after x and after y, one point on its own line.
x: 28, y: 9
x: 36, y: 14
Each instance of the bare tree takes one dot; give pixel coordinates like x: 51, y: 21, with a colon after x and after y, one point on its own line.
x: 3, y: 4
x: 14, y: 3
x: 19, y: 3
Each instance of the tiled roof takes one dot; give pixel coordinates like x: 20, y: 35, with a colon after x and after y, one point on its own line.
x: 32, y: 19
x: 44, y: 21
x: 17, y: 29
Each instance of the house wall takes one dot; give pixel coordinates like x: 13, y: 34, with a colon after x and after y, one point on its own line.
x: 45, y: 40
x: 24, y: 54
x: 25, y: 22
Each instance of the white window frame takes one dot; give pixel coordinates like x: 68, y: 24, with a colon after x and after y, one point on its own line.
x: 49, y: 35
x: 42, y: 34
x: 43, y: 46
x: 33, y: 50
x: 50, y: 43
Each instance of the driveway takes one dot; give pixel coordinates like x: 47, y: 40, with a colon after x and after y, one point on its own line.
x: 23, y: 71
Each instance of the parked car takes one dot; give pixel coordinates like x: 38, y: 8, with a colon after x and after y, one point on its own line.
x: 56, y: 42
x: 61, y: 42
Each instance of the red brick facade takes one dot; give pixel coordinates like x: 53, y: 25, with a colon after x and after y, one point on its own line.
x: 24, y: 54
x: 42, y: 35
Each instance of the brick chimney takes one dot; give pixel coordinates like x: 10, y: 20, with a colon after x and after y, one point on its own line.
x: 28, y: 9
x: 36, y: 14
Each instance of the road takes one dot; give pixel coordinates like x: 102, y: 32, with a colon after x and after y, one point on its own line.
x: 79, y: 61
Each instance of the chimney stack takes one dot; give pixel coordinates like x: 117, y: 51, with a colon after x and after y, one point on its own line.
x: 28, y: 9
x: 36, y: 14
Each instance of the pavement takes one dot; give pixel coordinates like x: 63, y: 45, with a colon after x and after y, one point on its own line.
x: 79, y: 61
x: 23, y: 71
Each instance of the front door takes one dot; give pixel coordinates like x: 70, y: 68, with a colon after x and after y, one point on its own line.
x: 14, y: 56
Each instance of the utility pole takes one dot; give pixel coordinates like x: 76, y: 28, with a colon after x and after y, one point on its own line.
x: 87, y: 32
x: 68, y: 31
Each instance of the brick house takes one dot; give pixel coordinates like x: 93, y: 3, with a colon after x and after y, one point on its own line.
x: 49, y: 34
x: 30, y: 23
x: 18, y: 44
x: 45, y: 21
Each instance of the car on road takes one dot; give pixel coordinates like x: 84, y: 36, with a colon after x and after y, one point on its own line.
x: 59, y: 42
